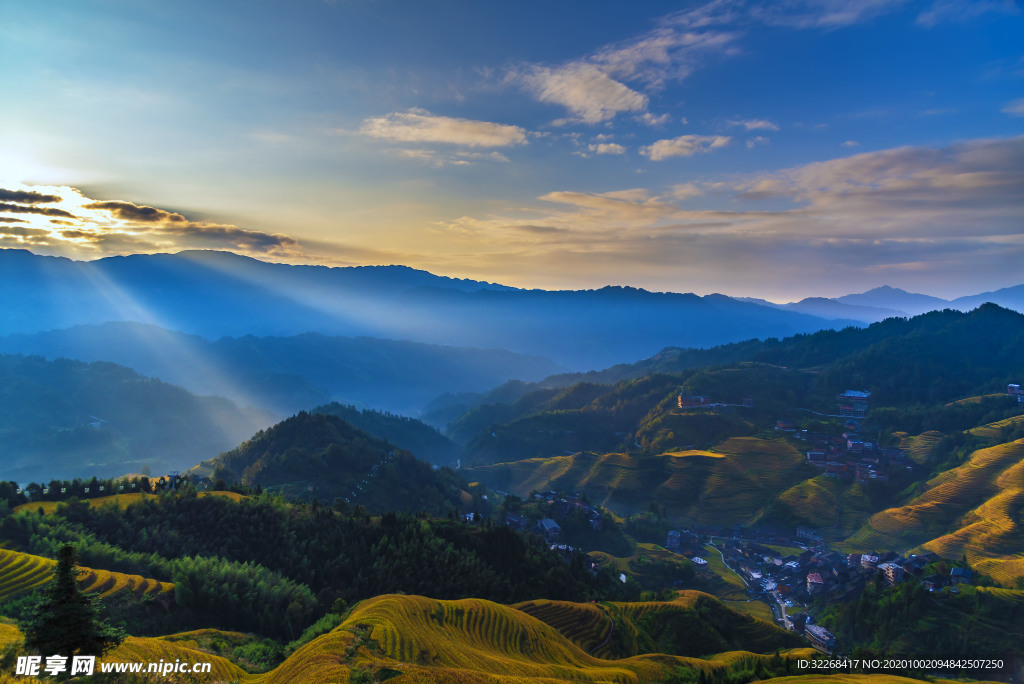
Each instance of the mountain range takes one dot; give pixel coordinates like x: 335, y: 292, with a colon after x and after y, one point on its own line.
x: 219, y: 294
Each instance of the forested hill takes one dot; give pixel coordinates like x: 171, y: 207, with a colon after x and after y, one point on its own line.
x: 935, y: 357
x: 314, y: 455
x: 63, y: 419
x: 424, y: 441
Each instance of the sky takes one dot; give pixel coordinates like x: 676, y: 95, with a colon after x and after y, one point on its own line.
x: 776, y: 150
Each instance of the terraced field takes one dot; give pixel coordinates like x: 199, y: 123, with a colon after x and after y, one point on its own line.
x: 814, y: 501
x: 993, y: 430
x: 974, y: 509
x: 730, y: 484
x: 416, y: 639
x: 22, y: 572
x: 120, y: 500
x: 920, y: 448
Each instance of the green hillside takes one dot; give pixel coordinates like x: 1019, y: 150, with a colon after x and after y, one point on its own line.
x: 319, y: 455
x: 734, y: 483
x: 60, y: 419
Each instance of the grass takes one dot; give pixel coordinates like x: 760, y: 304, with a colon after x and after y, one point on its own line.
x: 716, y: 565
x: 757, y: 609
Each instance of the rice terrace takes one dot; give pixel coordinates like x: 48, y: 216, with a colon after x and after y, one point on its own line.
x: 485, y: 342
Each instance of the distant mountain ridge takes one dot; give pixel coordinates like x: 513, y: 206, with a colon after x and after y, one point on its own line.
x: 288, y: 374
x: 217, y: 294
x: 887, y: 302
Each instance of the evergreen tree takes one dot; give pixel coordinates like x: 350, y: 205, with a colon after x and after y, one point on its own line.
x: 67, y: 622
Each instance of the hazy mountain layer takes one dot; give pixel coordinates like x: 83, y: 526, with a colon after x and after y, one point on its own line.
x: 64, y: 419
x: 217, y: 294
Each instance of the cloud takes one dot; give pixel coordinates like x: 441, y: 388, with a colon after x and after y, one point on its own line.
x: 126, y: 211
x: 657, y: 119
x: 439, y: 159
x: 586, y: 91
x: 420, y: 126
x: 851, y: 143
x: 105, y: 227
x: 685, y: 191
x: 45, y: 211
x: 27, y: 197
x: 1015, y: 107
x: 684, y: 146
x: 5, y: 219
x: 911, y: 216
x: 754, y: 124
x: 607, y: 148
x: 759, y: 140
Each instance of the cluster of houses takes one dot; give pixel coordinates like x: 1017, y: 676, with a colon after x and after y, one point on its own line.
x: 850, y: 457
x: 696, y: 402
x: 559, y: 508
x: 820, y: 572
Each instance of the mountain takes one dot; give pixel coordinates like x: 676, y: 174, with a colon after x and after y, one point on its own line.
x: 831, y: 308
x: 63, y: 419
x: 424, y: 441
x: 288, y: 374
x: 316, y: 454
x: 907, y: 303
x: 1008, y: 297
x: 218, y: 294
x: 885, y: 302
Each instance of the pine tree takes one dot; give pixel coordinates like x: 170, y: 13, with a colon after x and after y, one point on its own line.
x: 67, y: 622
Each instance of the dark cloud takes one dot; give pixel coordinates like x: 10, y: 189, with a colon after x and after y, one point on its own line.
x: 26, y: 197
x: 23, y: 231
x: 45, y: 211
x: 5, y: 219
x: 227, y: 236
x: 78, y: 234
x: 127, y: 211
x: 58, y: 222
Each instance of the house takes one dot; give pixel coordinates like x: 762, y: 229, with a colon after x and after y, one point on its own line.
x: 820, y: 638
x: 693, y: 402
x: 868, y: 561
x: 816, y: 458
x: 892, y: 571
x: 853, y: 403
x: 785, y: 426
x: 674, y: 540
x: 549, y: 528
x: 815, y: 585
x: 933, y: 582
x: 960, y: 576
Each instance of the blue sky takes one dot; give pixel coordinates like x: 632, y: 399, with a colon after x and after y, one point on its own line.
x: 778, y: 150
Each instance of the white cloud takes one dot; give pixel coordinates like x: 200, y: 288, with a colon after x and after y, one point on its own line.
x: 607, y: 148
x: 754, y: 124
x: 1015, y: 108
x: 657, y: 119
x: 586, y: 91
x: 911, y: 217
x: 418, y: 125
x: 440, y: 159
x: 851, y: 143
x: 685, y: 191
x: 759, y: 140
x: 684, y: 146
